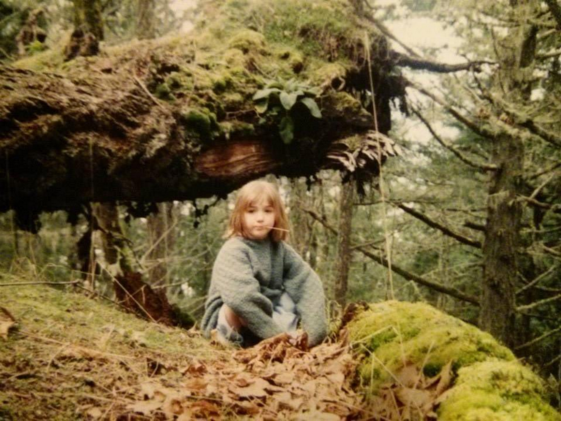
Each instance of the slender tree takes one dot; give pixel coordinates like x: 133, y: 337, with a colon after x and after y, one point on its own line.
x: 344, y: 252
x: 146, y: 23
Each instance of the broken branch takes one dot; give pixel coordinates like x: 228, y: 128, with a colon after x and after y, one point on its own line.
x: 436, y: 225
x: 461, y: 156
x: 453, y: 292
x: 434, y: 66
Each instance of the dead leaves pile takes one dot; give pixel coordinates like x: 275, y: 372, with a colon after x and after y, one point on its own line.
x: 412, y: 395
x: 277, y: 379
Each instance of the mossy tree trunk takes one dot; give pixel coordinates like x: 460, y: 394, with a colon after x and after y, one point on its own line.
x: 161, y: 241
x: 88, y: 17
x: 176, y: 120
x: 120, y: 263
x: 504, y: 211
x: 146, y: 23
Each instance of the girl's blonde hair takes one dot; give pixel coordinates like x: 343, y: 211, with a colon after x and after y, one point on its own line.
x: 253, y: 193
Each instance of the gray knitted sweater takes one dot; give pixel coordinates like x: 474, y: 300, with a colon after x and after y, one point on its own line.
x: 250, y: 275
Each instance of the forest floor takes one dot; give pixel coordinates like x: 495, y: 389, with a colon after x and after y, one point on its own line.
x: 65, y: 356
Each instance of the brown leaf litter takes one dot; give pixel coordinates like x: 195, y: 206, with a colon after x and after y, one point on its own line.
x: 412, y: 396
x: 280, y: 378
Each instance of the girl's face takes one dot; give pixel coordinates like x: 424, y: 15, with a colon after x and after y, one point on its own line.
x: 258, y: 220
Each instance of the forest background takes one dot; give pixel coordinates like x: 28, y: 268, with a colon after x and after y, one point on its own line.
x: 431, y: 228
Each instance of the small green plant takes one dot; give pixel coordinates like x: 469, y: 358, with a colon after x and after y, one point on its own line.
x: 278, y: 98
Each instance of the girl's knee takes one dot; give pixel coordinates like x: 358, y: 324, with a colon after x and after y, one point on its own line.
x: 233, y: 319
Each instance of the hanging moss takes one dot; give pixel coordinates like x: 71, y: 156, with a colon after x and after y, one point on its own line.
x: 490, y: 385
x: 199, y: 123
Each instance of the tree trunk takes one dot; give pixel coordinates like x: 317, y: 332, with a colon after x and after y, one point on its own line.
x: 131, y: 291
x: 68, y: 142
x: 176, y: 120
x: 344, y: 253
x: 88, y: 18
x: 146, y: 24
x: 161, y: 241
x: 300, y: 221
x: 504, y: 211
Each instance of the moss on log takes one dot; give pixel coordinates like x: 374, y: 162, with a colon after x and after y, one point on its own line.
x: 175, y: 118
x: 488, y: 382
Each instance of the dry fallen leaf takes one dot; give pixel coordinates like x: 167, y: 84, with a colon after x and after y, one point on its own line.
x: 145, y: 407
x: 94, y: 413
x: 7, y: 322
x: 409, y: 376
x: 256, y: 389
x: 277, y: 379
x: 445, y: 379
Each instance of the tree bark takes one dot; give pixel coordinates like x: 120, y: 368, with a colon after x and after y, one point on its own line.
x: 157, y: 122
x: 131, y: 291
x: 87, y: 16
x: 68, y: 141
x: 161, y: 241
x: 344, y: 252
x: 146, y: 24
x: 504, y: 211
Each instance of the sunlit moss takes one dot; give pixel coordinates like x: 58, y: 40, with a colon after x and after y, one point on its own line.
x: 248, y: 40
x: 497, y: 390
x: 490, y: 384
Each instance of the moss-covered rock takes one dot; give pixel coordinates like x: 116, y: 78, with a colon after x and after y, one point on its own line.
x: 490, y: 384
x: 497, y: 391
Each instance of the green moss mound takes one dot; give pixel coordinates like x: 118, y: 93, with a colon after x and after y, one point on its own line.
x: 490, y: 384
x: 497, y: 391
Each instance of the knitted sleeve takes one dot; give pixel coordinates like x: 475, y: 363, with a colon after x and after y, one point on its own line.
x: 305, y: 288
x: 233, y: 277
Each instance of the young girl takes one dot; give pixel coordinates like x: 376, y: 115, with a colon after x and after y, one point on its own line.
x: 260, y: 286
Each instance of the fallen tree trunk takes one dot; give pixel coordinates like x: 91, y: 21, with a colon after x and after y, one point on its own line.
x: 175, y: 119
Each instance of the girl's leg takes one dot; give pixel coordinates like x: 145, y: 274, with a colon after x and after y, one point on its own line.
x: 233, y: 319
x: 284, y: 313
x: 228, y: 327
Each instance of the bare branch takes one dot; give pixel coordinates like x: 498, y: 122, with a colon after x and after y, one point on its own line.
x: 461, y: 156
x: 524, y: 308
x: 17, y: 284
x: 545, y: 56
x: 545, y: 171
x: 541, y: 132
x: 476, y: 128
x: 555, y: 10
x: 539, y: 338
x: 440, y: 227
x: 555, y: 208
x: 535, y: 281
x: 474, y: 226
x: 453, y: 292
x: 434, y: 66
x: 521, y: 120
